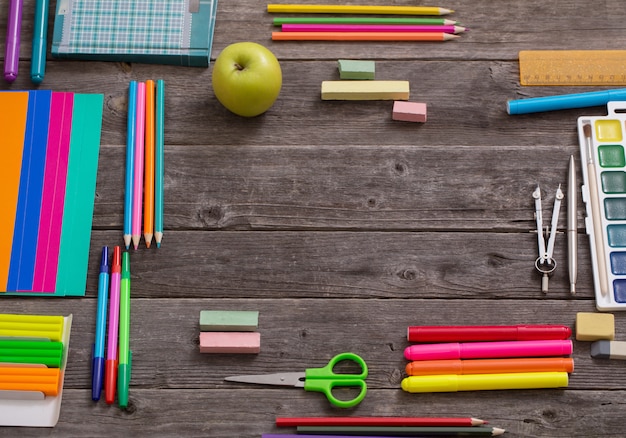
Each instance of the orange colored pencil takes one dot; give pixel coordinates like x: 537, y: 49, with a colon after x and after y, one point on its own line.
x: 490, y: 366
x: 148, y: 185
x: 362, y: 36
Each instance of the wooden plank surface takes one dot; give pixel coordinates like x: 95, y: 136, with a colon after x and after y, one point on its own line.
x: 341, y: 226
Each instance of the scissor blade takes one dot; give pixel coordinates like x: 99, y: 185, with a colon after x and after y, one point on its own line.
x: 282, y: 379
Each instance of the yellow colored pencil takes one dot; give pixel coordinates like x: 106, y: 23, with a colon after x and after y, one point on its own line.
x: 148, y: 185
x: 357, y: 9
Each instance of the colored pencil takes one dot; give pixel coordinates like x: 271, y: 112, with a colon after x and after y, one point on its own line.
x: 279, y: 21
x: 148, y: 185
x: 357, y: 9
x: 139, y: 163
x: 401, y: 431
x: 130, y: 162
x: 362, y: 36
x: 378, y: 421
x: 158, y: 163
x: 371, y: 28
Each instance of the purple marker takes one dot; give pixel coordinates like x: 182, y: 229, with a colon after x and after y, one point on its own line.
x: 12, y: 52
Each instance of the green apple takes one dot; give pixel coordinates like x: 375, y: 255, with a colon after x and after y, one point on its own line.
x: 247, y: 78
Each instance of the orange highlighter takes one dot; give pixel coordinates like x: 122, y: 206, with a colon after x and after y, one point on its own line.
x: 490, y: 366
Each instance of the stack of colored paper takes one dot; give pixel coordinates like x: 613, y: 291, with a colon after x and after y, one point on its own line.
x: 49, y: 164
x: 33, y: 355
x: 471, y: 358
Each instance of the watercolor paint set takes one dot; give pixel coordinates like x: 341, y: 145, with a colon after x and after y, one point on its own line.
x: 603, y: 157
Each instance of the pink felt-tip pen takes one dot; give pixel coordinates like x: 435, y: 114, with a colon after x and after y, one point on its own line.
x: 139, y: 157
x: 110, y: 375
x: 485, y: 350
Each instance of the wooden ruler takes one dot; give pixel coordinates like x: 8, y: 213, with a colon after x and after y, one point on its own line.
x: 572, y: 67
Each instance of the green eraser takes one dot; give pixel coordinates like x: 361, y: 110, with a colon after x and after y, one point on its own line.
x: 229, y: 320
x: 595, y: 326
x: 349, y: 69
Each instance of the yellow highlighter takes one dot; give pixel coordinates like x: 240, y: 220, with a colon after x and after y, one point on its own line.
x: 482, y: 382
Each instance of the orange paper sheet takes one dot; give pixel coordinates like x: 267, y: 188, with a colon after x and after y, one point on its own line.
x: 13, y: 112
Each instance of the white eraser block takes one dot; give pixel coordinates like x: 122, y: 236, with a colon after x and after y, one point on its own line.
x: 230, y: 342
x: 409, y: 111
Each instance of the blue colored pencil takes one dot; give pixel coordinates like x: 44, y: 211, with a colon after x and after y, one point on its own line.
x: 130, y: 162
x: 158, y: 164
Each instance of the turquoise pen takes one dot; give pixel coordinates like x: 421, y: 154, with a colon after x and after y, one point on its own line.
x: 125, y: 355
x: 564, y: 101
x: 40, y: 42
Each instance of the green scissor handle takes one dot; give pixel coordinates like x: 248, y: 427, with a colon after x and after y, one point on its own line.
x: 325, y: 379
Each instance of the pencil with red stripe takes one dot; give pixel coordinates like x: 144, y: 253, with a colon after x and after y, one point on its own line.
x: 379, y: 421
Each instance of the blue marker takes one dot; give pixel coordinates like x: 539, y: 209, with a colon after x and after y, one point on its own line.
x: 564, y: 101
x: 97, y: 374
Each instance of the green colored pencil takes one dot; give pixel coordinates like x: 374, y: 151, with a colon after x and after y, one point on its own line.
x: 279, y: 21
x: 470, y: 431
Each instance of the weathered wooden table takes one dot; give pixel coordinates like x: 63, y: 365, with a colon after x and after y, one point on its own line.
x: 341, y: 226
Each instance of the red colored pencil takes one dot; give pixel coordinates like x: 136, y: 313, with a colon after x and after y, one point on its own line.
x: 378, y: 421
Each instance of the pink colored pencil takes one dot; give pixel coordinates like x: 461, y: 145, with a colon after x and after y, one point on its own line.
x: 140, y: 131
x: 378, y: 421
x: 370, y: 28
x: 53, y: 196
x: 362, y: 36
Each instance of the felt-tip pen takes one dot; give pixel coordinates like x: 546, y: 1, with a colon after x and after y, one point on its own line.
x: 123, y: 377
x: 110, y: 375
x: 564, y: 101
x: 486, y: 350
x: 464, y: 333
x: 98, y: 351
x: 490, y: 366
x: 481, y: 382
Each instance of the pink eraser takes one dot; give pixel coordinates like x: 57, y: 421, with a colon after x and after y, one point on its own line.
x: 230, y: 342
x: 409, y: 111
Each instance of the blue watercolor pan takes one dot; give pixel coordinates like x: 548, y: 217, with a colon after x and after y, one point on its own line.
x: 603, y: 156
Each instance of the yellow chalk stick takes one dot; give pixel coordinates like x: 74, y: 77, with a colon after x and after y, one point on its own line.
x: 365, y: 90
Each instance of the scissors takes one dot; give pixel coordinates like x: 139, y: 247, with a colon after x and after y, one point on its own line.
x: 545, y: 264
x: 322, y: 380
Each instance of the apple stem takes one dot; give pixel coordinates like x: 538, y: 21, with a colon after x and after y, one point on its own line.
x: 238, y: 66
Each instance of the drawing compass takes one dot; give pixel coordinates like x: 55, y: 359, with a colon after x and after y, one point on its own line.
x: 545, y: 263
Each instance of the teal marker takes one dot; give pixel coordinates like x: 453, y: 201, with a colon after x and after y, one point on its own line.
x: 564, y: 101
x: 125, y: 355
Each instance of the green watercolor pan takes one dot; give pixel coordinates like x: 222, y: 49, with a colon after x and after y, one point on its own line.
x: 603, y: 156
